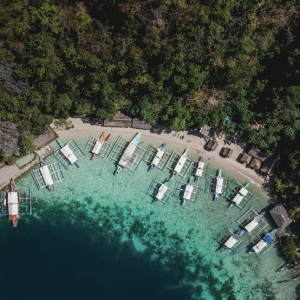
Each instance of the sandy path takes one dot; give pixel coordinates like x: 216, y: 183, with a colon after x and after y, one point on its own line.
x: 194, y: 143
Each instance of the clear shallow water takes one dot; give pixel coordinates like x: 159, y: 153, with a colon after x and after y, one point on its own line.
x: 100, y: 235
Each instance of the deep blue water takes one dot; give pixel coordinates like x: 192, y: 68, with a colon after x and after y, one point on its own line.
x: 41, y: 261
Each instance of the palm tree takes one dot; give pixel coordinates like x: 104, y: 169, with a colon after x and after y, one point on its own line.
x: 226, y: 128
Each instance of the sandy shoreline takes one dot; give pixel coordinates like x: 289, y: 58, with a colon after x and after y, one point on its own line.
x: 194, y: 143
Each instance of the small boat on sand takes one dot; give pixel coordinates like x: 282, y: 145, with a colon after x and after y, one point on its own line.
x: 158, y: 157
x: 180, y: 163
x: 249, y: 227
x: 229, y: 244
x: 219, y: 185
x: 162, y: 190
x: 46, y: 174
x: 98, y: 145
x: 68, y: 153
x: 188, y: 191
x: 267, y: 240
x: 199, y: 170
x: 128, y: 152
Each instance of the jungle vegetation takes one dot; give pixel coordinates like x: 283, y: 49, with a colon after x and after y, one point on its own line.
x: 182, y: 63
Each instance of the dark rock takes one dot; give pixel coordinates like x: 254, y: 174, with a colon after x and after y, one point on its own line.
x: 9, y: 138
x: 13, y: 86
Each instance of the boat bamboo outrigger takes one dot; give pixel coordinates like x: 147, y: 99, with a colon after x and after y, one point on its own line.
x: 240, y: 194
x: 98, y: 145
x: 250, y: 226
x: 200, y: 168
x: 229, y: 244
x: 158, y: 157
x: 161, y: 191
x: 15, y: 203
x: 219, y: 185
x: 128, y: 153
x: 180, y: 163
x: 188, y: 191
x: 266, y: 241
x: 68, y: 153
x: 46, y: 174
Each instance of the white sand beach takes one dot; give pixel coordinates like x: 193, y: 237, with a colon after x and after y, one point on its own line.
x: 260, y: 184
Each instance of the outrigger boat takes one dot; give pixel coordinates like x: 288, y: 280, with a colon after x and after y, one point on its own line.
x: 12, y: 201
x: 199, y: 169
x: 45, y: 173
x: 98, y: 145
x: 180, y: 163
x: 219, y: 185
x: 68, y: 153
x: 128, y: 153
x: 188, y: 191
x: 241, y: 193
x: 232, y: 240
x: 267, y: 240
x: 249, y: 227
x: 162, y: 190
x: 159, y: 155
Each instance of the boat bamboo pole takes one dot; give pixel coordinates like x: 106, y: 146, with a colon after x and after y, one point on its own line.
x: 166, y: 165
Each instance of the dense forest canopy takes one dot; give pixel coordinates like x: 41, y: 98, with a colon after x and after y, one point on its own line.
x: 178, y: 62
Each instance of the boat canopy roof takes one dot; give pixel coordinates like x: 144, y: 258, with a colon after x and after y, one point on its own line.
x: 267, y: 239
x: 162, y: 190
x: 259, y: 246
x: 13, y: 203
x: 219, y: 181
x: 243, y: 191
x: 69, y: 154
x: 127, y: 154
x: 231, y: 242
x: 97, y: 147
x: 46, y: 175
x: 251, y: 226
x: 238, y: 199
x: 218, y: 189
x: 180, y: 164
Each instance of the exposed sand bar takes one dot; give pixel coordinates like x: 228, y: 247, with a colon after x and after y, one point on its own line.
x: 195, y: 144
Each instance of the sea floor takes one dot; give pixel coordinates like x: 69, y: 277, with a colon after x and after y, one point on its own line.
x: 100, y: 235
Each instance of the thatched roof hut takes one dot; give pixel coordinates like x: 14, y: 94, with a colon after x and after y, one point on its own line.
x: 246, y: 158
x: 280, y: 216
x: 212, y: 145
x: 205, y: 130
x: 226, y: 152
x: 256, y: 153
x: 255, y: 164
x: 268, y: 165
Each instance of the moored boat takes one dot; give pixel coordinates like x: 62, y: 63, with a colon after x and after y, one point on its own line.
x: 158, y: 157
x: 162, y: 190
x: 188, y: 191
x: 125, y: 158
x: 219, y: 185
x: 200, y: 168
x: 45, y: 173
x: 250, y: 226
x: 12, y: 202
x: 98, y: 145
x: 229, y: 244
x: 241, y: 193
x: 68, y: 153
x: 267, y: 240
x: 180, y: 163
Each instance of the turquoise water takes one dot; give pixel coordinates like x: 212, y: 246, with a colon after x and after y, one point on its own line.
x: 149, y: 248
